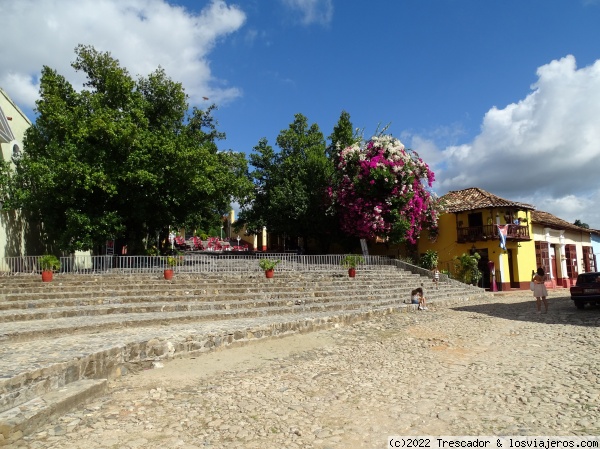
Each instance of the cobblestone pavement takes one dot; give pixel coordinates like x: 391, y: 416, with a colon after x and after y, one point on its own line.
x: 485, y: 367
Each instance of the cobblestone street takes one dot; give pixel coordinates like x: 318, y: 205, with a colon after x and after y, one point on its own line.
x: 485, y: 367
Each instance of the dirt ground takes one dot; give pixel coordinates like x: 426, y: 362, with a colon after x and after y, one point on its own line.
x: 188, y: 371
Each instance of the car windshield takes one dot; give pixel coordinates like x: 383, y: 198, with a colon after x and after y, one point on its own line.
x: 588, y: 278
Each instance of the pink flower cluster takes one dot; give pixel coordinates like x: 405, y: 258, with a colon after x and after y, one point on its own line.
x: 382, y: 191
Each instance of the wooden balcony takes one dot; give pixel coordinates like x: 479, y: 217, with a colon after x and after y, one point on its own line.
x: 490, y: 232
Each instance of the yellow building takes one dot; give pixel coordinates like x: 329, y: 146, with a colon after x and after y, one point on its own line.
x: 474, y: 221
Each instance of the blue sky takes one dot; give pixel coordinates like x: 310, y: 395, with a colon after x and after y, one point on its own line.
x: 499, y: 95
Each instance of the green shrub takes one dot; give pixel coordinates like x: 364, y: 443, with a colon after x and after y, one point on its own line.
x: 49, y: 262
x: 352, y: 260
x: 429, y: 259
x: 268, y: 264
x: 467, y: 269
x: 173, y: 261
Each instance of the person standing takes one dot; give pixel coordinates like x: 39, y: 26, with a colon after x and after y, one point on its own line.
x: 539, y: 290
x: 436, y: 277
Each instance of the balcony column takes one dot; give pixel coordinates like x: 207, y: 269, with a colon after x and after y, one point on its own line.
x: 500, y: 257
x: 551, y: 273
x: 563, y: 260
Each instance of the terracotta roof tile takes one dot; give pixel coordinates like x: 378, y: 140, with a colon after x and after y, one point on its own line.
x: 551, y: 221
x: 475, y: 198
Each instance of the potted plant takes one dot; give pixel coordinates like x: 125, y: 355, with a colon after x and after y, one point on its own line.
x: 351, y: 261
x: 268, y: 266
x: 49, y: 264
x: 172, y: 262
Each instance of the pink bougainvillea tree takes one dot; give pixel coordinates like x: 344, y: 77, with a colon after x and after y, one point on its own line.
x: 382, y: 191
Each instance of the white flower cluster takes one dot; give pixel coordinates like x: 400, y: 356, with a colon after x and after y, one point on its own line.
x: 388, y: 142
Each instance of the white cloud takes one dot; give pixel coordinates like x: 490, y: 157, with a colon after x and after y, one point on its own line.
x: 142, y: 34
x: 545, y: 148
x: 428, y: 143
x: 313, y: 11
x: 426, y: 148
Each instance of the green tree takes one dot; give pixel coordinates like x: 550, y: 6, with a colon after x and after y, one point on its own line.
x: 581, y: 224
x: 429, y: 259
x: 290, y: 185
x: 467, y: 268
x: 121, y: 159
x: 343, y: 135
x: 4, y: 181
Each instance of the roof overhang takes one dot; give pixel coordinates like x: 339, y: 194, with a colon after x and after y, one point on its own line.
x: 6, y: 134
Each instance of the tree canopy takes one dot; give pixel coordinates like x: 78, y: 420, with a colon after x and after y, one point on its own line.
x: 343, y: 136
x: 290, y: 184
x: 5, y: 173
x: 126, y: 159
x: 581, y: 224
x: 123, y: 158
x: 345, y: 190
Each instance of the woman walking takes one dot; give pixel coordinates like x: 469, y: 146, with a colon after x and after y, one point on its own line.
x: 539, y: 290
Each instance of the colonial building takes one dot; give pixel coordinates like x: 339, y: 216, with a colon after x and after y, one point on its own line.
x: 499, y: 230
x: 595, y: 237
x: 512, y: 238
x: 563, y: 249
x: 13, y: 124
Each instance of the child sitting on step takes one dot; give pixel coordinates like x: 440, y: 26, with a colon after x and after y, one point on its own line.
x: 414, y: 297
x: 422, y: 301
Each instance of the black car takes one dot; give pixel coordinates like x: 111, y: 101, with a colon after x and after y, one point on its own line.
x: 586, y: 289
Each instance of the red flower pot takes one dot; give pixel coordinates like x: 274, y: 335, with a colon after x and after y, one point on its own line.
x: 269, y: 273
x: 47, y: 276
x: 168, y: 274
x: 352, y: 272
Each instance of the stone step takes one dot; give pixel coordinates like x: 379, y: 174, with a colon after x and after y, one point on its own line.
x: 19, y: 287
x: 86, y: 323
x: 74, y: 291
x: 48, y: 342
x: 31, y: 370
x: 74, y: 299
x: 27, y: 417
x: 44, y: 309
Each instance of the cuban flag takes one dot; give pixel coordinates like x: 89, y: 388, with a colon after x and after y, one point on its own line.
x: 502, y: 231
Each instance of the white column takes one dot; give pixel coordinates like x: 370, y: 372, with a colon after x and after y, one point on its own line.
x: 563, y: 256
x: 551, y: 273
x: 500, y: 256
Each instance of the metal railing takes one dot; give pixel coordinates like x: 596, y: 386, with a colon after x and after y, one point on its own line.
x: 189, y: 263
x: 490, y: 232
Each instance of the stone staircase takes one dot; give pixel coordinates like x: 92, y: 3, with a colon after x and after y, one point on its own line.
x: 61, y: 341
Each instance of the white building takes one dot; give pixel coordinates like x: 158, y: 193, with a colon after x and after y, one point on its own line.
x: 13, y: 124
x: 562, y: 247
